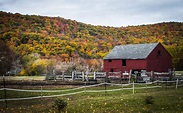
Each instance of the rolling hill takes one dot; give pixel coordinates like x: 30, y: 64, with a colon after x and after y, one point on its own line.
x: 66, y: 39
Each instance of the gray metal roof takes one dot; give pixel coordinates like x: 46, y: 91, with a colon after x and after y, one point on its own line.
x: 131, y: 51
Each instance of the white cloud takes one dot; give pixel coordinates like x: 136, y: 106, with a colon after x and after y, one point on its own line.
x: 101, y: 12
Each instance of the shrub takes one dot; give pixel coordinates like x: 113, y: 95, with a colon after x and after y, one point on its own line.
x: 149, y: 100
x: 59, y: 104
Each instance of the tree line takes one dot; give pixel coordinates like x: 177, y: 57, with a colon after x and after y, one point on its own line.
x: 68, y: 39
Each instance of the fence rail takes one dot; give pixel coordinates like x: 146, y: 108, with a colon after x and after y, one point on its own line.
x: 88, y: 76
x: 102, y: 76
x: 83, y: 89
x: 91, y: 76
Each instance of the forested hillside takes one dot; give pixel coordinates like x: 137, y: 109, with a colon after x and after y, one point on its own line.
x: 69, y: 39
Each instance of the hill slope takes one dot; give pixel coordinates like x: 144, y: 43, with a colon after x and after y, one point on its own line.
x: 55, y: 36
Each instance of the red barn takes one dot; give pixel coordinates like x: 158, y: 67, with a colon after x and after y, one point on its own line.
x: 137, y: 57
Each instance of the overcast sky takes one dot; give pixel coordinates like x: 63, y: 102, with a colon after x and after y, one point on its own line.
x: 114, y: 13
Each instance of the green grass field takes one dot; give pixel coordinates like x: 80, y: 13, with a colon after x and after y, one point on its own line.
x: 167, y: 100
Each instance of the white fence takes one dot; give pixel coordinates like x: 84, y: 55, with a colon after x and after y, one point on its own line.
x: 103, y: 76
x: 84, y: 76
x: 92, y: 76
x: 84, y: 89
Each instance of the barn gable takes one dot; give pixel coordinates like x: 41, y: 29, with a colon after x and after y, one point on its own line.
x: 131, y: 51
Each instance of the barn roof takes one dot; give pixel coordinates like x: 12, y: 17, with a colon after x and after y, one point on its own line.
x: 131, y: 51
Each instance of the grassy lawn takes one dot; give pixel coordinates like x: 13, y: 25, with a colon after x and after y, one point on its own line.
x: 165, y: 100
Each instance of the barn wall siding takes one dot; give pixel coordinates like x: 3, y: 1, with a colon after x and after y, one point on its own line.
x: 159, y: 62
x: 116, y: 65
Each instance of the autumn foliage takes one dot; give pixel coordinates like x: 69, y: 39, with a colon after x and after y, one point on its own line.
x: 70, y: 40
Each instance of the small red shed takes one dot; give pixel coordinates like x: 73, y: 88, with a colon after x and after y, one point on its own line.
x: 137, y: 57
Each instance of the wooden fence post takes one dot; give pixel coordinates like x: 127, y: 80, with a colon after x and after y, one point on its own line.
x: 94, y: 75
x: 41, y: 94
x: 152, y: 78
x: 129, y: 77
x: 133, y: 88
x: 105, y: 85
x: 83, y: 76
x: 86, y: 76
x: 41, y: 91
x: 4, y: 84
x: 122, y: 80
x: 120, y: 76
x: 177, y: 83
x: 63, y: 75
x: 73, y: 72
